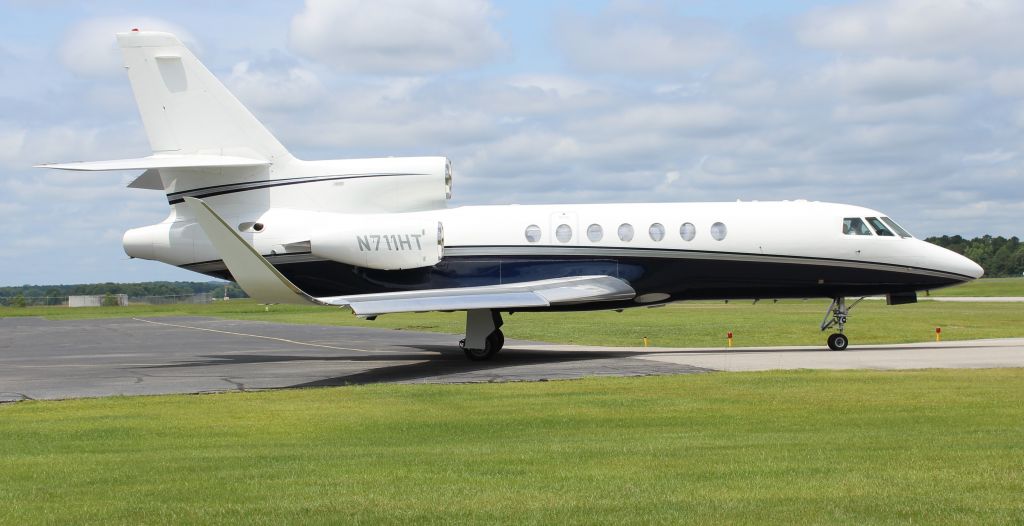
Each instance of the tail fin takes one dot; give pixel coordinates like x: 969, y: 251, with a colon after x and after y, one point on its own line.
x: 184, y: 108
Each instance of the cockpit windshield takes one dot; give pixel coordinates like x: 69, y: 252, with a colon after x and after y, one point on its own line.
x: 884, y: 227
x: 880, y: 227
x: 898, y: 229
x: 854, y: 226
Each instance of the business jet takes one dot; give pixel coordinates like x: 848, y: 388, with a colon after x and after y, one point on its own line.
x: 376, y: 235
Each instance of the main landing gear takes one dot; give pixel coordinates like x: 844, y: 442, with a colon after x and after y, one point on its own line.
x: 839, y: 313
x: 483, y: 334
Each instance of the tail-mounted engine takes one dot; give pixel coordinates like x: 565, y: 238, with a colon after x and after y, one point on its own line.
x: 382, y: 244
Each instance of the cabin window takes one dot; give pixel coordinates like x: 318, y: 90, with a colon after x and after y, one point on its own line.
x: 898, y: 229
x: 687, y: 231
x: 533, y: 233
x: 657, y: 232
x: 854, y: 226
x: 626, y: 232
x: 595, y: 232
x: 718, y: 231
x: 880, y: 227
x: 563, y: 233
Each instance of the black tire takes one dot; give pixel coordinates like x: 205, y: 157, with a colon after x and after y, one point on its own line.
x: 492, y: 345
x: 838, y: 342
x: 497, y: 339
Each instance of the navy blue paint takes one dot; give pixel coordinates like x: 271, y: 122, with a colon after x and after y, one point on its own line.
x: 682, y: 279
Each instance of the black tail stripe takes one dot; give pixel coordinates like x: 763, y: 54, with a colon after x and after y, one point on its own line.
x: 210, y: 191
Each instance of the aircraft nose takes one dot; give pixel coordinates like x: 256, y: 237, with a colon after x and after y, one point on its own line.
x: 973, y: 269
x: 957, y: 264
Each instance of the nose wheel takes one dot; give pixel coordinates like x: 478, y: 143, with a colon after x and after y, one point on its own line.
x: 837, y: 342
x: 839, y: 312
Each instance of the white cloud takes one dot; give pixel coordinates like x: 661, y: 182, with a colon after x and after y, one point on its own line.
x: 990, y: 157
x: 917, y: 26
x: 939, y: 109
x: 676, y: 118
x: 648, y: 43
x: 396, y: 37
x: 90, y: 47
x: 896, y: 79
x: 1008, y: 82
x: 287, y: 88
x: 11, y: 141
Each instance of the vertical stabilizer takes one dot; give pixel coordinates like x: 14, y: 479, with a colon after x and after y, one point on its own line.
x: 184, y: 108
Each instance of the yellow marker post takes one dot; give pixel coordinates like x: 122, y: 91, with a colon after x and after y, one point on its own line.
x: 646, y: 341
x: 729, y: 339
x: 938, y: 334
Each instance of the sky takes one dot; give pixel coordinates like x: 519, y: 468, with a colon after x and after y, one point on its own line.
x: 912, y: 107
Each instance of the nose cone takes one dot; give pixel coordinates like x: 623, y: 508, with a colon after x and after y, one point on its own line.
x: 971, y: 268
x: 949, y: 261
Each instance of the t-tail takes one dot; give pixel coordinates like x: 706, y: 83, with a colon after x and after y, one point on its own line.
x: 207, y: 145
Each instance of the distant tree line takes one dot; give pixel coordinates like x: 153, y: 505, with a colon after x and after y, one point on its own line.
x: 152, y: 288
x: 999, y: 256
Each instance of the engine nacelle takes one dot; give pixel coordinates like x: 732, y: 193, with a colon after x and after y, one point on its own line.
x: 382, y: 243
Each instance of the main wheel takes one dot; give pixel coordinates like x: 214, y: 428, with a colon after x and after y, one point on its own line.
x: 838, y: 342
x: 492, y: 345
x: 497, y: 339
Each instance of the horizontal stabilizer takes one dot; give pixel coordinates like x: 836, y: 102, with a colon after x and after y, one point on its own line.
x: 159, y: 161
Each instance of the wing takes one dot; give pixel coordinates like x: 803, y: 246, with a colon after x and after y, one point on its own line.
x: 542, y: 293
x: 265, y: 283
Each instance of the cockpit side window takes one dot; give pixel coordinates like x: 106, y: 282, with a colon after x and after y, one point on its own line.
x: 880, y: 227
x: 898, y: 229
x: 854, y: 226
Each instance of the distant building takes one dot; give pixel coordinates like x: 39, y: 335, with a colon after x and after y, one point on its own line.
x: 119, y: 300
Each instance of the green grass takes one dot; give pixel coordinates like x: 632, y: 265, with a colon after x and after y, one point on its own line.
x: 695, y: 324
x: 790, y: 447
x: 985, y: 287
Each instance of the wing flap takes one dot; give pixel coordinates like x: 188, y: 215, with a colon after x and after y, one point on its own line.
x: 159, y: 161
x: 542, y: 293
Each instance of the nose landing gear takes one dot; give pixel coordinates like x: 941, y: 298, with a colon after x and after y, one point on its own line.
x: 839, y: 312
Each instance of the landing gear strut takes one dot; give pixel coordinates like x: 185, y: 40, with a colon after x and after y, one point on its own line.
x: 483, y: 334
x: 839, y: 313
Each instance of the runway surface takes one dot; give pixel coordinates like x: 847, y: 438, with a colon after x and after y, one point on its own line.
x: 44, y: 359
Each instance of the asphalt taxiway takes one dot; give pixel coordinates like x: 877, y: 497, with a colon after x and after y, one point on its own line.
x: 46, y: 359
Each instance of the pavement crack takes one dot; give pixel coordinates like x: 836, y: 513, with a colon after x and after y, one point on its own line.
x: 10, y: 397
x: 238, y: 385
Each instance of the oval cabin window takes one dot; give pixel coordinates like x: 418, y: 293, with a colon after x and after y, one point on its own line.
x: 595, y: 232
x: 657, y: 232
x: 533, y: 233
x: 626, y: 232
x: 563, y: 233
x: 687, y: 231
x: 718, y: 231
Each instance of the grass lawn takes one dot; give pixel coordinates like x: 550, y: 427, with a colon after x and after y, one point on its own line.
x: 985, y: 287
x: 693, y: 324
x: 784, y: 447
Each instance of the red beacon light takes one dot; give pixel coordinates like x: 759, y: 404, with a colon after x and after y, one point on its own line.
x: 135, y: 30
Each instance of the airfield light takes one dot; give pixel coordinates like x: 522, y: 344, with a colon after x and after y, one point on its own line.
x: 938, y: 334
x: 728, y: 337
